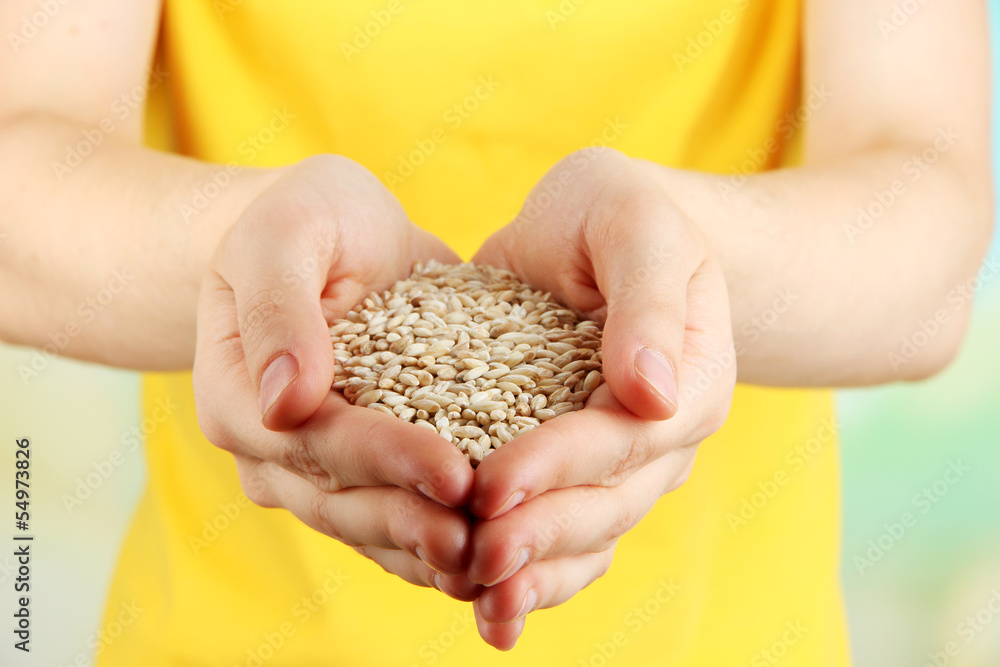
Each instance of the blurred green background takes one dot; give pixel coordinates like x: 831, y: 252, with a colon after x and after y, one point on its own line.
x: 898, y: 444
x: 917, y: 594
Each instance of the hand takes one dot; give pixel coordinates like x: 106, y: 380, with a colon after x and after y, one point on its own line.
x: 606, y: 240
x: 306, y: 250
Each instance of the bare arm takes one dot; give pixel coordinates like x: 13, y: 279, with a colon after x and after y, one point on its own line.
x: 821, y: 293
x: 98, y: 249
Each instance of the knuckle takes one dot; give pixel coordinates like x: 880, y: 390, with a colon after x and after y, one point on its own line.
x: 319, y: 513
x: 625, y: 517
x: 545, y: 541
x: 714, y: 420
x: 423, y: 574
x: 206, y: 414
x: 300, y: 456
x: 505, y: 543
x: 402, y: 518
x: 550, y: 536
x: 371, y: 449
x: 718, y: 417
x: 682, y: 477
x: 214, y: 431
x: 258, y: 491
x: 606, y: 558
x: 639, y: 449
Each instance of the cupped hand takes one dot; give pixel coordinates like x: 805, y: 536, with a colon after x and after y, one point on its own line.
x: 308, y: 248
x: 602, y: 236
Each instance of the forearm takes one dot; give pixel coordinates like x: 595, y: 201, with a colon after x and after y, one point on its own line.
x: 103, y: 259
x: 827, y: 281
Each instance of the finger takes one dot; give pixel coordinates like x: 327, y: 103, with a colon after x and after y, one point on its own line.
x: 342, y: 446
x: 644, y: 256
x: 276, y: 262
x: 541, y: 585
x: 425, y: 246
x: 604, y: 443
x: 503, y: 637
x: 622, y: 252
x: 220, y: 378
x: 601, y: 445
x: 567, y: 522
x: 412, y: 569
x: 308, y: 247
x: 255, y: 480
x: 384, y: 517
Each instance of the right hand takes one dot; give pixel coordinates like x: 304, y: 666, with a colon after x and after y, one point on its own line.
x: 308, y: 248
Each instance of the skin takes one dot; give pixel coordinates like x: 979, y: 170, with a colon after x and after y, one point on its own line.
x: 668, y: 260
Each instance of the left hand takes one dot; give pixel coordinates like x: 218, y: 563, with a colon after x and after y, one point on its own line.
x: 606, y: 240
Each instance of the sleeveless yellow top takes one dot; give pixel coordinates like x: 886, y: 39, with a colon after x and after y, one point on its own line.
x: 461, y: 107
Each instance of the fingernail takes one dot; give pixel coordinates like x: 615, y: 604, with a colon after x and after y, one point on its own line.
x: 513, y: 501
x: 658, y: 374
x: 434, y: 580
x: 277, y: 376
x: 423, y: 556
x: 530, y: 600
x: 518, y: 628
x: 425, y: 491
x: 519, y: 560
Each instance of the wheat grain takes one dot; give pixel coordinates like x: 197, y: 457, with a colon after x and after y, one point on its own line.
x: 469, y: 352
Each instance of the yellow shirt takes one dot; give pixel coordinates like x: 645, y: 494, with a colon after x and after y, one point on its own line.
x: 460, y: 107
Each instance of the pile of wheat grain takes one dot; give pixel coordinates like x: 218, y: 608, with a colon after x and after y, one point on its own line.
x: 469, y: 352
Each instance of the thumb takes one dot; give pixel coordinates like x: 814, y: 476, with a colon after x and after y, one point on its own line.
x: 277, y: 283
x: 644, y: 330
